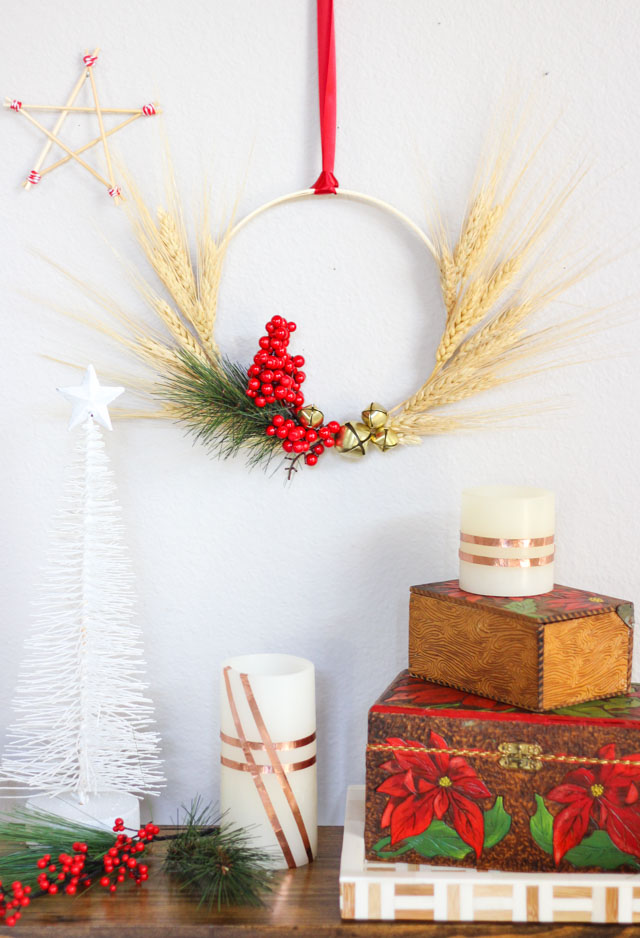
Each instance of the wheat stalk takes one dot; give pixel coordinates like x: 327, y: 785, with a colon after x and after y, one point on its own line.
x: 173, y: 239
x: 499, y: 334
x: 179, y: 331
x: 194, y: 290
x: 474, y: 306
x: 211, y: 255
x: 412, y: 427
x: 449, y: 278
x: 493, y: 281
x: 480, y: 225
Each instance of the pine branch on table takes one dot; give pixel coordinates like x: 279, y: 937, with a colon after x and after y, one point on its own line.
x: 217, y: 862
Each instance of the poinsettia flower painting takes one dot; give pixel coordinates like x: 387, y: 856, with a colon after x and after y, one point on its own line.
x: 601, y: 796
x: 416, y: 691
x: 424, y: 784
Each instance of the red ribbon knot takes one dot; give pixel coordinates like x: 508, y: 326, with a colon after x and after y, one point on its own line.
x: 326, y: 181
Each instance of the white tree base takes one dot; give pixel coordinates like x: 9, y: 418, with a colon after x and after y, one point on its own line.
x: 99, y: 810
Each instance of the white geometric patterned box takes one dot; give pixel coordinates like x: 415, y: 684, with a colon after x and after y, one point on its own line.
x: 430, y: 893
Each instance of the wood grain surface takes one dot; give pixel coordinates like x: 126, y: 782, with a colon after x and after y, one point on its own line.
x: 474, y: 648
x: 584, y: 659
x: 303, y: 905
x: 517, y: 660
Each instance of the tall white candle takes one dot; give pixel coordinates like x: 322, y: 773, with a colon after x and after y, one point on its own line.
x: 268, y: 753
x: 507, y: 537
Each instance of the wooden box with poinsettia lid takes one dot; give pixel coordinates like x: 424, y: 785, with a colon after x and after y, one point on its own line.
x: 459, y: 780
x: 538, y: 652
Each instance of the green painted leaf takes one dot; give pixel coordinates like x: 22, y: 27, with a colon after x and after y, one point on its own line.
x: 595, y: 850
x: 599, y: 850
x: 384, y: 842
x: 497, y: 824
x: 439, y: 840
x: 612, y: 707
x: 526, y: 607
x: 541, y: 826
x: 621, y: 703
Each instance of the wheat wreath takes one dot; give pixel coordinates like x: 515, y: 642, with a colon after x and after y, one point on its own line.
x: 506, y: 265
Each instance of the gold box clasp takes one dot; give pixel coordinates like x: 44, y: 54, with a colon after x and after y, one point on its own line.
x: 521, y: 756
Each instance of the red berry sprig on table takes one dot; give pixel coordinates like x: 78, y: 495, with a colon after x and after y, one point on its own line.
x: 119, y: 863
x: 67, y: 874
x: 11, y: 906
x: 235, y: 871
x: 275, y: 377
x: 120, y: 860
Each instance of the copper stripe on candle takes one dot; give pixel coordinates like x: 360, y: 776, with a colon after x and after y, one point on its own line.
x: 256, y: 774
x: 506, y: 561
x: 275, y: 762
x: 507, y: 541
x: 295, y: 744
x: 267, y: 769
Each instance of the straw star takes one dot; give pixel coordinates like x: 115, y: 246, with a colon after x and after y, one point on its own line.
x: 90, y: 400
x: 88, y: 63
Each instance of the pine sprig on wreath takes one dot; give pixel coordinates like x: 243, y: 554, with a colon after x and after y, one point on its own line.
x: 217, y: 862
x: 210, y: 398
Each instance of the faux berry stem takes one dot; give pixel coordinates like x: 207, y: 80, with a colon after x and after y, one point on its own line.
x: 216, y: 860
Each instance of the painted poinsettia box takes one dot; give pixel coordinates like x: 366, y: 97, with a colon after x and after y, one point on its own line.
x: 459, y: 780
x: 538, y: 652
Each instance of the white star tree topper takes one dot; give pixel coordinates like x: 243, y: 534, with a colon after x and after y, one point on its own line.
x: 90, y: 400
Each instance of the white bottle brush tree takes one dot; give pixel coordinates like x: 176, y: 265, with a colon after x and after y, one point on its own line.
x: 82, y: 719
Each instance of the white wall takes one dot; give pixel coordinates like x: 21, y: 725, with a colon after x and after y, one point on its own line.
x: 229, y: 561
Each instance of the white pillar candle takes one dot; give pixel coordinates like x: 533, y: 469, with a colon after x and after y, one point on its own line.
x: 268, y: 753
x: 507, y: 540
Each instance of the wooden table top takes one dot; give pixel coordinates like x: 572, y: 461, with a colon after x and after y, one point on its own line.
x: 304, y: 904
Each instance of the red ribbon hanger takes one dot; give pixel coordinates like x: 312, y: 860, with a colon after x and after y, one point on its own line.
x: 326, y: 181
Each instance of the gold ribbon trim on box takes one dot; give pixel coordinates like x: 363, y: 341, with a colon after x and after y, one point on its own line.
x: 506, y: 561
x: 275, y: 767
x: 507, y: 541
x: 507, y: 754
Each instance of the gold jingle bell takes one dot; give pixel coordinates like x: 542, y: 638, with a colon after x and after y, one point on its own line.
x: 353, y: 439
x: 310, y: 416
x: 385, y: 439
x: 375, y: 416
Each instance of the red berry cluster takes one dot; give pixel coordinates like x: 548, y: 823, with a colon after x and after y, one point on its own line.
x: 68, y: 873
x: 275, y: 375
x: 11, y: 907
x: 120, y: 860
x: 299, y: 439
